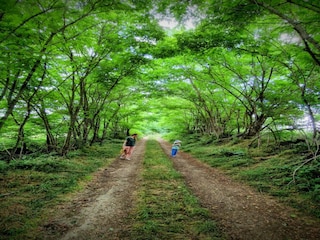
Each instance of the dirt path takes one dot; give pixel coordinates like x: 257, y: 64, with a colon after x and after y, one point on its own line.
x: 100, y: 211
x: 242, y: 212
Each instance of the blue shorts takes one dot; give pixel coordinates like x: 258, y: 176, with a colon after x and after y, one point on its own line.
x: 174, y: 151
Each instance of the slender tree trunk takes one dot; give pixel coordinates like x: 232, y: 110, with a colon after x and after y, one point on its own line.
x: 96, y: 128
x: 50, y: 139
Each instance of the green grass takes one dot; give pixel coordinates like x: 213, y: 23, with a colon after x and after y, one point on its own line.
x: 267, y: 169
x: 28, y: 187
x: 166, y: 208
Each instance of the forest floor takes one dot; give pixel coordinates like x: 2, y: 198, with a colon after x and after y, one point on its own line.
x: 100, y: 211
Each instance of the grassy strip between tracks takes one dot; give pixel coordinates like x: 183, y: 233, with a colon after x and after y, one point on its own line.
x: 166, y: 208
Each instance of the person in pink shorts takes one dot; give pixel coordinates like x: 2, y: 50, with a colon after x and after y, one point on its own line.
x: 128, y: 146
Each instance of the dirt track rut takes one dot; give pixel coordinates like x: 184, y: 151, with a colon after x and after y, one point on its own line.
x: 100, y: 211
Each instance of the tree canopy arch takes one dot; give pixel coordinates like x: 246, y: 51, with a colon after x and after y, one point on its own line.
x: 79, y: 72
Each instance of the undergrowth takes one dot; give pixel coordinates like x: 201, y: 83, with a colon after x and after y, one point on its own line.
x: 268, y: 168
x: 29, y: 186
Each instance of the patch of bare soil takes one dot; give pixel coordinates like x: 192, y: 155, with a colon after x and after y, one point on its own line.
x: 101, y: 211
x: 242, y: 212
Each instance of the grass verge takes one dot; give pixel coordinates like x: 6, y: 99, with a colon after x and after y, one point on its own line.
x: 267, y: 169
x: 31, y: 186
x: 166, y: 208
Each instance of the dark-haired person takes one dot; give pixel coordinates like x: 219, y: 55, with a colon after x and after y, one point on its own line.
x: 128, y: 146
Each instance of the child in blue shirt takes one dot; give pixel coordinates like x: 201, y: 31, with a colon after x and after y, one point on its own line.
x: 175, y: 147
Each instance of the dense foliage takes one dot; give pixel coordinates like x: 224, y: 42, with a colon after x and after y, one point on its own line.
x: 78, y: 72
x: 62, y: 65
